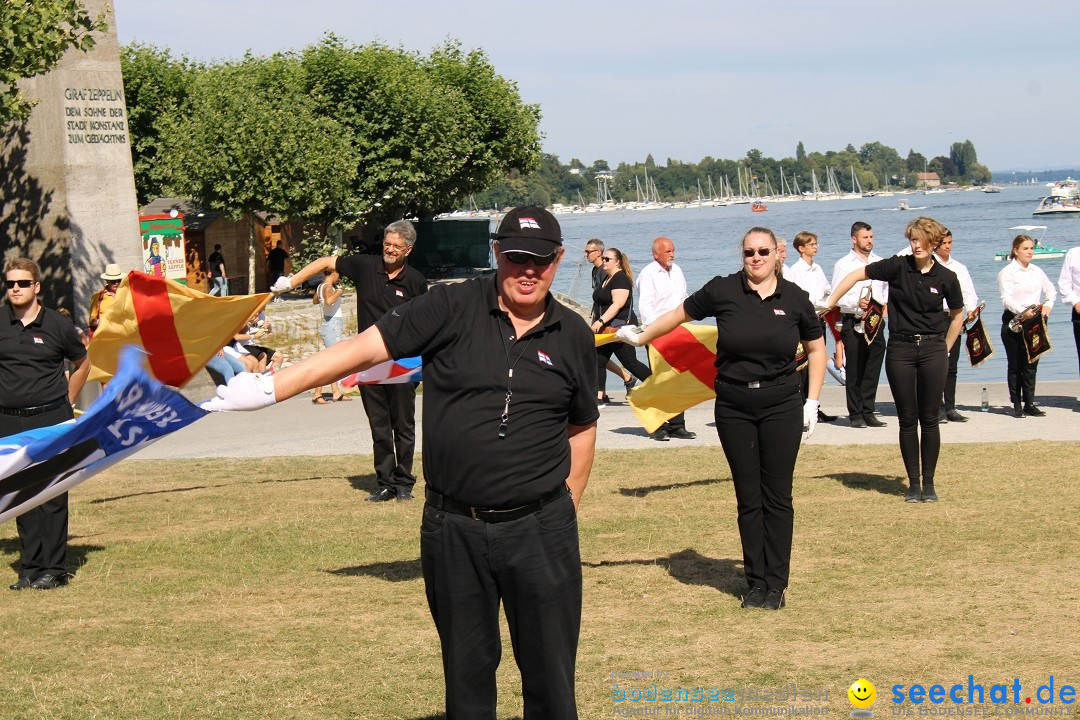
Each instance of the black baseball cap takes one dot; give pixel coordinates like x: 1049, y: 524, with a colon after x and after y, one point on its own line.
x: 529, y: 229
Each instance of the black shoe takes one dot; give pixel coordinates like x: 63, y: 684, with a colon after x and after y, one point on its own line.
x: 603, y: 401
x: 913, y: 494
x: 682, y: 434
x: 382, y: 495
x: 822, y: 417
x: 630, y: 384
x: 660, y: 435
x: 1033, y: 411
x: 755, y: 597
x: 48, y: 581
x: 21, y: 584
x: 872, y: 421
x: 857, y: 421
x: 774, y: 600
x: 943, y: 418
x: 954, y: 416
x: 403, y: 494
x: 928, y: 494
x: 1018, y: 412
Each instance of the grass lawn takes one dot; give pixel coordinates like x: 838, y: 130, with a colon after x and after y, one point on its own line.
x: 267, y: 588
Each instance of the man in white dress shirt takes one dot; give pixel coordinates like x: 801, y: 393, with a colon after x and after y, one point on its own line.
x: 662, y: 287
x: 808, y: 275
x: 943, y: 254
x: 1069, y: 287
x: 863, y: 362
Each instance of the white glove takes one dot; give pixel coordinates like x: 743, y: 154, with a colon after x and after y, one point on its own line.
x: 629, y: 334
x: 809, y: 418
x: 246, y: 391
x: 281, y: 285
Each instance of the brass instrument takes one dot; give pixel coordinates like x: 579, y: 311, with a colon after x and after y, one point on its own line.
x: 1018, y: 321
x: 865, y: 294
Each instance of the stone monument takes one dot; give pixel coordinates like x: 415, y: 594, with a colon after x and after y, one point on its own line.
x: 67, y: 189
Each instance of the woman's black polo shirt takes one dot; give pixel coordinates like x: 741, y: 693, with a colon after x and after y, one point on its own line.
x: 756, y: 338
x: 464, y: 339
x: 376, y: 291
x: 915, y: 297
x: 32, y: 358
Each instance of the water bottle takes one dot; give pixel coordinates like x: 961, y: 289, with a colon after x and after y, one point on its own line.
x: 985, y: 406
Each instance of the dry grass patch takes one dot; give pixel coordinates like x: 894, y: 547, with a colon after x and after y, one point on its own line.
x: 267, y: 588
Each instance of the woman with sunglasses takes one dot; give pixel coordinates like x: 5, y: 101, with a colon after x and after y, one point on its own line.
x: 613, y: 306
x: 760, y: 413
x: 102, y: 300
x: 920, y: 338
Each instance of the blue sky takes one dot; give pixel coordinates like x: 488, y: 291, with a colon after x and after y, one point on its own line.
x: 685, y: 79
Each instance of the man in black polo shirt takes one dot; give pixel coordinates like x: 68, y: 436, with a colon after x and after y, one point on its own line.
x: 35, y: 342
x: 381, y: 283
x: 509, y: 432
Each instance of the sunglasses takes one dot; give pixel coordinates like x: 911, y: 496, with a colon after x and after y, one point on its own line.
x: 9, y: 284
x: 763, y: 252
x: 520, y: 258
x: 607, y: 259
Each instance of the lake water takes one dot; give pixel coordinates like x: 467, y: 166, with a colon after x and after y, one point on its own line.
x: 707, y: 243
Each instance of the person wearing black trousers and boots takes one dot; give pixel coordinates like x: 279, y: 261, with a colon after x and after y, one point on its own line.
x: 920, y: 339
x: 760, y: 413
x: 35, y: 344
x: 1025, y: 290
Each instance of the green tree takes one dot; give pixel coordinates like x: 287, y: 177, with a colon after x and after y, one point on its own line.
x: 251, y: 140
x: 34, y: 35
x: 156, y: 85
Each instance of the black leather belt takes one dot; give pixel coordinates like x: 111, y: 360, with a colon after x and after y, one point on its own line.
x: 753, y: 384
x: 34, y: 410
x: 491, y: 515
x: 917, y: 339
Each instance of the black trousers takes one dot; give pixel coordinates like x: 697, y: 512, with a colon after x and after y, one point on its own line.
x: 533, y: 565
x: 760, y: 431
x: 916, y: 374
x: 949, y: 396
x: 43, y: 531
x: 863, y: 364
x: 391, y: 413
x: 1021, y: 373
x: 627, y: 358
x: 1076, y: 331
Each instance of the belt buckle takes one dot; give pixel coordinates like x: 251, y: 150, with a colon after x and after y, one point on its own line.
x: 918, y: 339
x: 753, y: 385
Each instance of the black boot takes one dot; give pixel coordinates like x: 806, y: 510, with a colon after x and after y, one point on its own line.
x: 928, y: 494
x: 1018, y: 410
x: 913, y: 494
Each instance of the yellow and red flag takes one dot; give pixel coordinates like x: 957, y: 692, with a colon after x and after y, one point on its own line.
x: 683, y: 372
x: 180, y: 329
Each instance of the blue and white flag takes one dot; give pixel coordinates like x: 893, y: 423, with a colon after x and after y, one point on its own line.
x: 132, y: 412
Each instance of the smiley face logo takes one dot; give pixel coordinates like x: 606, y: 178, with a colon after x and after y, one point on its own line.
x: 862, y: 693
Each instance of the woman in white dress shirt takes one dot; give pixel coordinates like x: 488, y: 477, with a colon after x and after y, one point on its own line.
x: 1022, y: 285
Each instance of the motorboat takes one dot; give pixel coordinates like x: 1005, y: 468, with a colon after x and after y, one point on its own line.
x: 758, y: 206
x: 1057, y: 205
x: 1042, y: 250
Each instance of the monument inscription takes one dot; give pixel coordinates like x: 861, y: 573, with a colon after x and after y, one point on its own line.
x: 95, y: 116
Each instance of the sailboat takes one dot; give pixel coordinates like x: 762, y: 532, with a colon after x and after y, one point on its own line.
x: 856, y: 189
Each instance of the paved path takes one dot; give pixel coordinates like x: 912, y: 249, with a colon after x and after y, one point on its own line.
x: 297, y: 427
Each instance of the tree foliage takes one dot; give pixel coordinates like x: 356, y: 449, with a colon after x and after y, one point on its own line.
x: 34, y: 35
x: 156, y: 86
x: 335, y: 134
x: 872, y: 165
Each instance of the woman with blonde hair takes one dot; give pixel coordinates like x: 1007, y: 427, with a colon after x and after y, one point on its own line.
x: 917, y: 358
x: 328, y: 297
